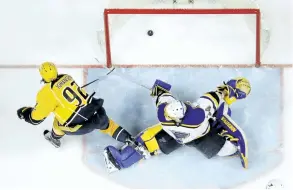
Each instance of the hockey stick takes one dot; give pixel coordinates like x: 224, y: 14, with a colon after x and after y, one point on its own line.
x: 73, y: 111
x: 124, y: 76
x: 100, y: 78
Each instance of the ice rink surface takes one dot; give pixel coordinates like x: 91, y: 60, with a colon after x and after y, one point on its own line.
x: 65, y: 32
x: 207, y: 33
x: 132, y: 107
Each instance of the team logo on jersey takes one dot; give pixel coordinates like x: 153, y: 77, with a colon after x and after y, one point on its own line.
x: 180, y: 135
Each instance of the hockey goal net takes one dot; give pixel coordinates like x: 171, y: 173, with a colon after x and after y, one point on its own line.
x: 207, y: 32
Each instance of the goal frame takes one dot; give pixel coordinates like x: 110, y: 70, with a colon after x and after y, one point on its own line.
x: 255, y: 12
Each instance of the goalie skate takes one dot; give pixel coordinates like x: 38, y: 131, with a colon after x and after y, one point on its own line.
x: 111, y: 165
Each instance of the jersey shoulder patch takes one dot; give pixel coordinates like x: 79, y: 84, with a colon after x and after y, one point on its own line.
x: 193, y: 117
x: 213, y: 97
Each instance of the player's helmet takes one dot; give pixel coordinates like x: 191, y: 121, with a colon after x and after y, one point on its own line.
x: 48, y: 71
x: 175, y: 110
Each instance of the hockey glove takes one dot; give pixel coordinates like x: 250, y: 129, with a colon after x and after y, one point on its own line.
x: 223, y: 89
x: 160, y: 87
x: 25, y: 113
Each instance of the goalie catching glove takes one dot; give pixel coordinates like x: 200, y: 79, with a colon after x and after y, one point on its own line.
x: 235, y: 89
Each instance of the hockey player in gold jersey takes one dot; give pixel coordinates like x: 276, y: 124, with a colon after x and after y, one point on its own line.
x: 76, y: 112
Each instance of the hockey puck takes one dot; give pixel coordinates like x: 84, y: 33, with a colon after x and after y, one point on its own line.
x: 150, y: 32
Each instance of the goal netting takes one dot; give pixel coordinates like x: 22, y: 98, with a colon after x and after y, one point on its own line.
x: 120, y: 13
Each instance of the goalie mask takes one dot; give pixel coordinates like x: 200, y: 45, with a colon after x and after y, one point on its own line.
x: 175, y: 110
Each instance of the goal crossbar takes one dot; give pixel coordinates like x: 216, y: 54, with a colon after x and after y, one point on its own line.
x: 181, y: 11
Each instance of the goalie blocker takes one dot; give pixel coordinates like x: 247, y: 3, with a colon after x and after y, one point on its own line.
x: 226, y: 138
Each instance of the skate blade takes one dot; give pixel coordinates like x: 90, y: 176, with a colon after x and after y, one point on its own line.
x: 56, y: 146
x: 109, y: 165
x: 48, y: 139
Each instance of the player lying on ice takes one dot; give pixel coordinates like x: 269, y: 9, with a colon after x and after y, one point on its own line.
x: 76, y: 112
x: 205, y: 125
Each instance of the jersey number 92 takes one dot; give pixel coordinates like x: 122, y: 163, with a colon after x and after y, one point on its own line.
x: 74, y: 94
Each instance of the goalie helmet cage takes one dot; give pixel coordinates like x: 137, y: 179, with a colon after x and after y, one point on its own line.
x: 249, y: 8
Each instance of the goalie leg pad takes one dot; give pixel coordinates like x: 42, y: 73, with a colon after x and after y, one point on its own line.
x: 123, y: 158
x: 210, y: 144
x: 229, y: 149
x: 156, y: 139
x: 147, y: 138
x: 239, y: 137
x: 166, y: 143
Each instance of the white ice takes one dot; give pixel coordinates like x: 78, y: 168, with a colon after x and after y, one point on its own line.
x: 217, y: 34
x: 65, y: 32
x: 134, y: 109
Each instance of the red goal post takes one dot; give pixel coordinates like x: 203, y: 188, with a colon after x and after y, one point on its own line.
x: 172, y: 11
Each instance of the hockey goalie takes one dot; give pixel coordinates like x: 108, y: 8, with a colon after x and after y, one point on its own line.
x: 205, y: 125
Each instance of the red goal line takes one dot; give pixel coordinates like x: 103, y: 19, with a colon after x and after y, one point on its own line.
x: 93, y: 66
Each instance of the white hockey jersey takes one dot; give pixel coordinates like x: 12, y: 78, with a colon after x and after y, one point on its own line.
x: 192, y: 126
x: 195, y: 123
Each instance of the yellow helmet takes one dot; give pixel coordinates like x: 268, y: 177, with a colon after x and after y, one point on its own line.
x: 48, y: 71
